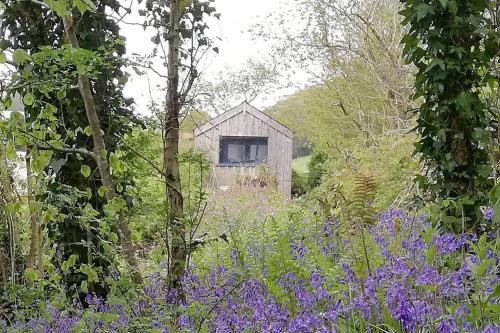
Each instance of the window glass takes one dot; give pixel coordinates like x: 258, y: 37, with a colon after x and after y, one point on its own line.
x: 243, y: 150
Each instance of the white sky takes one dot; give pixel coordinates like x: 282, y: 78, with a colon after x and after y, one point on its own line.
x: 235, y: 46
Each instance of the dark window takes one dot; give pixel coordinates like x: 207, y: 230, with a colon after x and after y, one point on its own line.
x: 242, y: 150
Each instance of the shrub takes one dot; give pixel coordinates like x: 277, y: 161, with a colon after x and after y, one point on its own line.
x: 299, y: 184
x: 316, y: 167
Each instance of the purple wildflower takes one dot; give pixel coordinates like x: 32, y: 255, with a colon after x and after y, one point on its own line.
x: 448, y: 325
x: 491, y: 329
x: 488, y: 213
x: 429, y: 276
x: 448, y: 243
x: 183, y: 321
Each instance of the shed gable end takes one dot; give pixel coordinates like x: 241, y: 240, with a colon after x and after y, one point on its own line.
x: 241, y: 111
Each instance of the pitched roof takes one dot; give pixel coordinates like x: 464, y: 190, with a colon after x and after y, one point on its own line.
x: 242, y: 108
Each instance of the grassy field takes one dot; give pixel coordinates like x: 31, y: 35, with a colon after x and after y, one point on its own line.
x: 300, y: 164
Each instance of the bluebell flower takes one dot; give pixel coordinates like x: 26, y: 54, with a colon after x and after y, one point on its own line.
x: 429, y: 276
x: 492, y: 328
x: 448, y: 243
x: 183, y: 321
x: 447, y: 325
x: 488, y: 213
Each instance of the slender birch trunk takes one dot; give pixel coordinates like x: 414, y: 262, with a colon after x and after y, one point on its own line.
x: 171, y: 153
x: 33, y: 254
x: 101, y: 154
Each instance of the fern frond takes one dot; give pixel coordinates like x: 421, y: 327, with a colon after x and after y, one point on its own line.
x: 363, y: 195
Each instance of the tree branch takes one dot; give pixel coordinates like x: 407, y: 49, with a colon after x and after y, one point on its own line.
x: 48, y: 146
x: 151, y: 163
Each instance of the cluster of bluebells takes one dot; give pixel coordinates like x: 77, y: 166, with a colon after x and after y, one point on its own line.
x: 421, y: 281
x: 488, y: 213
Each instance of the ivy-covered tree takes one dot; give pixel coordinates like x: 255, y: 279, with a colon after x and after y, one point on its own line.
x: 453, y: 44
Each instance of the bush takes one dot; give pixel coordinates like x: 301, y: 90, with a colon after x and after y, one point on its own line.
x: 299, y: 184
x: 316, y: 167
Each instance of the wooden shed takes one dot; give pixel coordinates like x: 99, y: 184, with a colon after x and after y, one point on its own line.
x: 242, y: 138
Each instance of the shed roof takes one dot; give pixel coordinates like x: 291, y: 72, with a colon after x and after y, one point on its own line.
x: 243, y: 108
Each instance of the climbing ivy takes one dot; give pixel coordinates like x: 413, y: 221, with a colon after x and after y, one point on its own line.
x: 453, y: 44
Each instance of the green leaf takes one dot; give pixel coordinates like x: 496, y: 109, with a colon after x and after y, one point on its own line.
x: 55, y: 278
x: 430, y: 254
x: 3, y: 58
x: 20, y: 56
x: 65, y: 266
x: 84, y: 286
x: 114, y: 206
x: 84, y: 5
x: 443, y: 3
x: 113, y: 237
x: 453, y: 8
x: 480, y: 270
x: 87, y: 131
x: 41, y: 159
x: 422, y: 11
x: 495, y: 293
x: 7, y: 102
x: 13, y: 207
x: 61, y: 94
x: 115, y: 163
x: 28, y: 99
x: 69, y: 263
x: 90, y: 272
x: 85, y: 170
x: 434, y: 63
x: 72, y: 260
x: 32, y: 275
x: 102, y: 191
x: 495, y: 192
x: 102, y: 154
x: 88, y: 191
x: 496, y: 212
x: 464, y: 100
x: 59, y: 6
x: 11, y: 151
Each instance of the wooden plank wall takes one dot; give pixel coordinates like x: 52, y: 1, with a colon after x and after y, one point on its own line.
x: 245, y: 124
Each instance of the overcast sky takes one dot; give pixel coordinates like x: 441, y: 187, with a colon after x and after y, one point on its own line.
x: 235, y: 46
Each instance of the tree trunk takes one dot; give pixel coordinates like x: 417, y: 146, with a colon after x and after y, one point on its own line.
x: 8, y: 198
x: 101, y: 154
x: 461, y: 151
x: 3, y: 269
x: 33, y: 218
x: 171, y: 154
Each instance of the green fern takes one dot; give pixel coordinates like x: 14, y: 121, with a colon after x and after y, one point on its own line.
x: 363, y: 196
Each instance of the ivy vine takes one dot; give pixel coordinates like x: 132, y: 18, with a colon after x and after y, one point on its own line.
x: 454, y: 46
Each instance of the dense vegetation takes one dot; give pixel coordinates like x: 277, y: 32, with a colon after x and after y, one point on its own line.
x: 108, y: 222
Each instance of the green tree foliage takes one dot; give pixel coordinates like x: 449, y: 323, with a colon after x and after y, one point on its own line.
x: 362, y: 84
x: 358, y: 111
x: 453, y: 43
x: 30, y: 28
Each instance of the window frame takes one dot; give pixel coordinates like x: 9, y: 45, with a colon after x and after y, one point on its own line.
x: 255, y: 140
